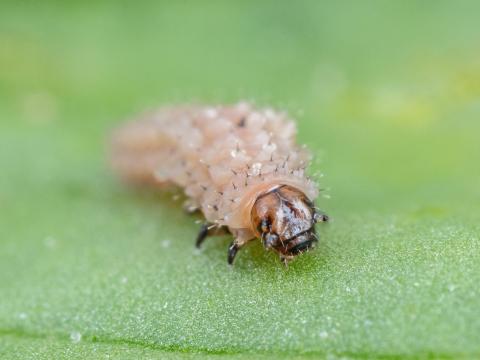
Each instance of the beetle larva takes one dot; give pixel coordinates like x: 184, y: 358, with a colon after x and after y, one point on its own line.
x: 237, y: 164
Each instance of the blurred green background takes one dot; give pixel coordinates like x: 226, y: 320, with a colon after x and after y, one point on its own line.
x: 385, y: 93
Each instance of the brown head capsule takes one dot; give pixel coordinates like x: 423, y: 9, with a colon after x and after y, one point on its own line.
x: 284, y: 219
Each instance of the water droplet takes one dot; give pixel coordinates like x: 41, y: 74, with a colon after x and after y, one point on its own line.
x: 75, y: 336
x: 50, y: 242
x: 165, y: 244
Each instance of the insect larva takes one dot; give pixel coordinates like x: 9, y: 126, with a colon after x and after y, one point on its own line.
x: 239, y: 165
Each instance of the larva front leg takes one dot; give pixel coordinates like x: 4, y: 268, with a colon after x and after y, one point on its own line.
x: 209, y: 229
x: 242, y: 237
x: 232, y: 252
x: 202, y: 234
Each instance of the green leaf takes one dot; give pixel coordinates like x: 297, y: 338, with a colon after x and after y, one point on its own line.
x: 91, y: 268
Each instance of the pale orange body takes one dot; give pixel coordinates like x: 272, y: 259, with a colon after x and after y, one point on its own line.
x: 223, y: 157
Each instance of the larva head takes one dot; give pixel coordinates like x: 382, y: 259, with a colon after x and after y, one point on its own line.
x: 284, y: 218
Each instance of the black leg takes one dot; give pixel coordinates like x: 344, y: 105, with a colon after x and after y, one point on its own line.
x: 208, y: 229
x: 202, y: 234
x: 320, y: 217
x: 232, y: 251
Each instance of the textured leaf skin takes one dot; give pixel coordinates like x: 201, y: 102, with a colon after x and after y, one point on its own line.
x: 389, y: 93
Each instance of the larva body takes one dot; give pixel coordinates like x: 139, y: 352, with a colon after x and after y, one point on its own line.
x: 239, y: 165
